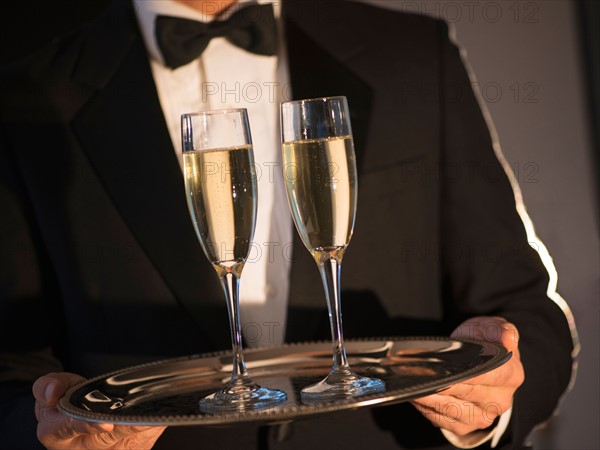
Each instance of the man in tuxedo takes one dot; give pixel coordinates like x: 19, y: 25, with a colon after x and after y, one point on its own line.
x: 100, y: 267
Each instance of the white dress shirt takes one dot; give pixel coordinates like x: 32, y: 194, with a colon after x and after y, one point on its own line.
x: 226, y: 76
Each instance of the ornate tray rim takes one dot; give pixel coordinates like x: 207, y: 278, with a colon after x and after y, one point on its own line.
x: 294, y: 411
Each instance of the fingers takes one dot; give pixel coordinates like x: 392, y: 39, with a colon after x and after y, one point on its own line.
x: 498, y: 397
x: 84, y: 427
x: 55, y: 430
x: 58, y: 431
x: 125, y: 436
x: 68, y: 428
x: 507, y: 375
x: 53, y: 426
x: 475, y: 403
x: 124, y: 431
x: 495, y: 329
x: 461, y: 418
x: 498, y: 385
x: 486, y: 328
x: 47, y: 390
x: 490, y: 329
x: 145, y: 437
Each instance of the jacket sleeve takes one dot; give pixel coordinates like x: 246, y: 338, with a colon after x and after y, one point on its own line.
x: 30, y: 324
x: 489, y: 259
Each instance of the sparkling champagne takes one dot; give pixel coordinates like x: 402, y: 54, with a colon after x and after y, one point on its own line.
x: 320, y: 177
x: 321, y: 184
x: 221, y: 194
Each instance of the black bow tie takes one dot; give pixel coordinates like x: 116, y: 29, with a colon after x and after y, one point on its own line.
x: 251, y: 28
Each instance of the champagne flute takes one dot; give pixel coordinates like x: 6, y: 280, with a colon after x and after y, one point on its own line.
x: 220, y: 185
x: 321, y: 185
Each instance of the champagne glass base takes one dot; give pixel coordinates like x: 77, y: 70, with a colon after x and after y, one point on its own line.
x: 339, y: 385
x: 241, y: 395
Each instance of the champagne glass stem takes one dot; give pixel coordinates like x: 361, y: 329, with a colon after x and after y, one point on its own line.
x: 223, y: 211
x: 330, y: 269
x: 230, y: 281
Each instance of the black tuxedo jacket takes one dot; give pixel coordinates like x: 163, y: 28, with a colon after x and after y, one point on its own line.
x: 100, y: 267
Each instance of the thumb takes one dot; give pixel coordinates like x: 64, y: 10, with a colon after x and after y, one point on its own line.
x: 484, y: 328
x: 489, y: 329
x: 49, y: 388
x: 510, y: 337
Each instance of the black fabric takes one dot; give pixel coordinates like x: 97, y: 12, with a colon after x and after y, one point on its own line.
x: 182, y: 40
x: 100, y: 264
x: 17, y: 414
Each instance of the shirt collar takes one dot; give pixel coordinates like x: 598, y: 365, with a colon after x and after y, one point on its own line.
x: 147, y: 10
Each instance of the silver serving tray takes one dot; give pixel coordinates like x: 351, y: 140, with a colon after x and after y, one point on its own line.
x: 167, y: 392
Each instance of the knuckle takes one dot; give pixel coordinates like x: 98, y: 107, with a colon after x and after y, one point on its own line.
x: 468, y: 391
x: 130, y: 444
x: 62, y: 433
x: 103, y: 440
x: 493, y: 409
x: 484, y: 422
x: 50, y: 415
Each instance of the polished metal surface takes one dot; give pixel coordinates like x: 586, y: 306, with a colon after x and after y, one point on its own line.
x: 168, y: 392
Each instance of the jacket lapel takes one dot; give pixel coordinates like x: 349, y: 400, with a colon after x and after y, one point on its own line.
x: 139, y: 169
x: 315, y: 72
